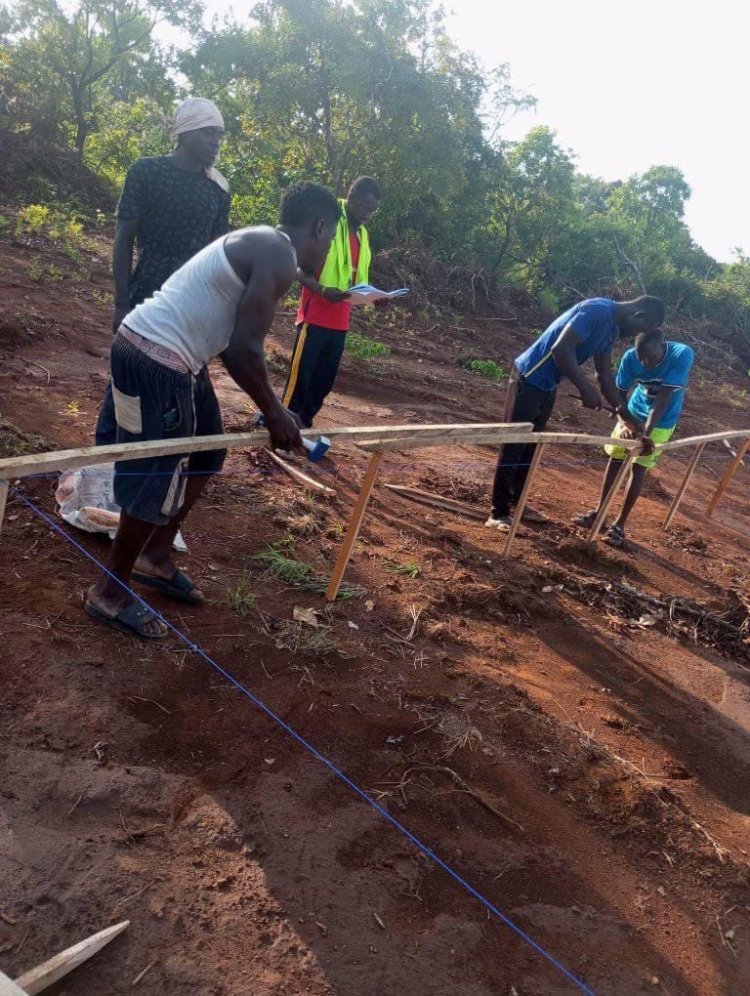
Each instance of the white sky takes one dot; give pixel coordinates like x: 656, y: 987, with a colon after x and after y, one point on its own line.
x: 631, y: 85
x: 627, y: 86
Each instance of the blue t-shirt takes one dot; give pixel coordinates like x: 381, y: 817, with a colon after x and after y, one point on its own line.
x: 673, y: 371
x: 594, y: 324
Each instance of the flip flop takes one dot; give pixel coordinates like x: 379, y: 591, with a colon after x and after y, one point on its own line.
x: 586, y: 520
x: 131, y: 620
x: 615, y: 536
x: 179, y: 586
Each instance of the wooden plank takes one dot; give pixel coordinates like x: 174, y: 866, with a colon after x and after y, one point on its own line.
x: 352, y: 530
x: 40, y: 463
x: 44, y: 976
x: 539, y: 450
x: 504, y: 435
x: 3, y: 501
x: 727, y: 478
x: 712, y: 437
x: 676, y: 501
x: 622, y: 475
x: 510, y: 394
x: 437, y: 501
x: 298, y: 475
x: 9, y: 988
x: 404, y: 443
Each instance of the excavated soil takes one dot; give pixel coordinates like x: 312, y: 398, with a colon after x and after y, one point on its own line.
x: 581, y: 763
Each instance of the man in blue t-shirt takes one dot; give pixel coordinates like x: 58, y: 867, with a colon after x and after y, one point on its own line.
x: 588, y: 329
x: 656, y: 372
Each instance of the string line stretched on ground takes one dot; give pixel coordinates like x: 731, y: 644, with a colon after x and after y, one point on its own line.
x: 337, y: 772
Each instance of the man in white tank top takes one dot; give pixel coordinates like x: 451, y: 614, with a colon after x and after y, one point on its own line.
x: 220, y: 303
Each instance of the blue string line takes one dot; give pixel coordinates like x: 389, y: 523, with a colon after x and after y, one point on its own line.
x: 259, y: 704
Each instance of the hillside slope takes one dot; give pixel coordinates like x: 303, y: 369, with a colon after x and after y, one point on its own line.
x: 585, y: 770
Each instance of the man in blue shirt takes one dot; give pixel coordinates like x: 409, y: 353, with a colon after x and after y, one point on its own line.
x: 656, y: 372
x: 588, y: 329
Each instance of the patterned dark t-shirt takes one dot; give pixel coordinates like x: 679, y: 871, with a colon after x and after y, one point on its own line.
x: 178, y: 214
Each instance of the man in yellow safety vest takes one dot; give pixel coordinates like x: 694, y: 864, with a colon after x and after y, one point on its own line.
x: 325, y: 310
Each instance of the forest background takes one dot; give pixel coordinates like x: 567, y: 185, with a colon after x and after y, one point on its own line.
x: 327, y: 90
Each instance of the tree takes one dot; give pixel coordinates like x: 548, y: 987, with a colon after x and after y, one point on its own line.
x: 63, y: 57
x: 531, y: 205
x: 330, y: 90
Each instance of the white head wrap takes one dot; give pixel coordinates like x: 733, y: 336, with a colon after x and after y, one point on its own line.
x: 195, y: 113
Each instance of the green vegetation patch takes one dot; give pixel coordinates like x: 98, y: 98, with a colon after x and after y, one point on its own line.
x: 487, y: 368
x: 365, y: 349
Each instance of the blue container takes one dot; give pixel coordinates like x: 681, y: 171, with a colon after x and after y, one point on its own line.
x: 316, y: 449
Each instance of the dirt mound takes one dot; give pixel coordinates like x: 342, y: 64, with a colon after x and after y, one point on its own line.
x: 33, y: 169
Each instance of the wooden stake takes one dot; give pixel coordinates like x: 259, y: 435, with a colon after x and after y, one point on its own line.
x: 683, y: 486
x: 352, y: 530
x: 510, y: 394
x: 37, y: 979
x: 622, y: 475
x: 9, y: 988
x: 298, y: 475
x: 437, y: 501
x: 522, y: 500
x: 727, y: 478
x: 4, y: 485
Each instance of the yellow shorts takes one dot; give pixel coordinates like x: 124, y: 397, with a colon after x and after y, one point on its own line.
x: 619, y: 452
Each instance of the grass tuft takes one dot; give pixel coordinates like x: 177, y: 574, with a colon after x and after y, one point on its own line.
x: 487, y: 368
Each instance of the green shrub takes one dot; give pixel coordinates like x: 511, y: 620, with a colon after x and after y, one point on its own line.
x: 365, y: 349
x: 32, y: 219
x: 487, y: 368
x: 53, y: 220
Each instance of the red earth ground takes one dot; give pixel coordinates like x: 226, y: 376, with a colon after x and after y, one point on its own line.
x: 585, y: 770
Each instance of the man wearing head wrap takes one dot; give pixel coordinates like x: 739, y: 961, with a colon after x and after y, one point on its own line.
x: 172, y: 206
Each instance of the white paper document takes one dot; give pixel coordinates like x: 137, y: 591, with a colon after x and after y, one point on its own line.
x: 367, y: 294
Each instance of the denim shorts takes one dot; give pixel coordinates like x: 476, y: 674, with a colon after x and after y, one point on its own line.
x: 154, y: 402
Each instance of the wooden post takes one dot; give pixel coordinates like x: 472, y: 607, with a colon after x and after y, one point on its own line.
x: 683, y: 486
x: 43, y: 976
x: 352, y: 530
x: 9, y: 988
x: 296, y: 474
x: 727, y: 478
x: 522, y: 500
x: 3, y: 499
x: 622, y: 475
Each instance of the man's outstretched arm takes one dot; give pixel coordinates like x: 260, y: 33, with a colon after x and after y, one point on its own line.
x: 245, y: 359
x: 661, y: 403
x: 122, y: 266
x: 607, y: 384
x: 331, y: 294
x: 564, y: 355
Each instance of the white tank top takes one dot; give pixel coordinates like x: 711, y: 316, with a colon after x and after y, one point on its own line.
x: 194, y: 312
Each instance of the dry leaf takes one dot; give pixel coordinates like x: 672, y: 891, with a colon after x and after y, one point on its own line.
x: 307, y: 616
x: 647, y: 620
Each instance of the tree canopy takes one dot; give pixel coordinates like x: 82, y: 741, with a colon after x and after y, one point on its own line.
x: 331, y: 89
